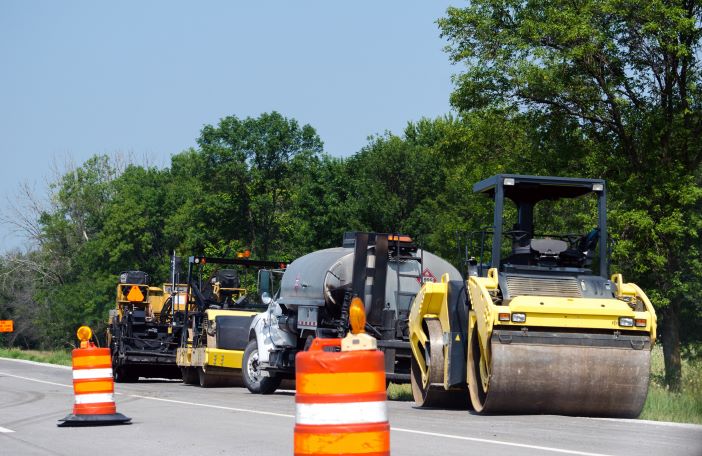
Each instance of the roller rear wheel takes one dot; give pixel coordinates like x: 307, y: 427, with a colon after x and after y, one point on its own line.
x: 190, y: 375
x: 206, y: 379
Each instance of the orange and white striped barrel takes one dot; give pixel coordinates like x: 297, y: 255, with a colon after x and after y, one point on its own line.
x: 93, y: 384
x: 93, y: 388
x: 340, y: 402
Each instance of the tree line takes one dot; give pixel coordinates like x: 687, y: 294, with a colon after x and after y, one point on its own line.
x: 608, y: 89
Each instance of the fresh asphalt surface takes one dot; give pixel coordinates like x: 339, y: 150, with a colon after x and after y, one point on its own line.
x: 169, y: 418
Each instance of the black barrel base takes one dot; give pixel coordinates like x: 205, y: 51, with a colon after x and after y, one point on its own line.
x: 93, y: 420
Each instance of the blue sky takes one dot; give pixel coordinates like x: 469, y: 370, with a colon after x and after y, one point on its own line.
x: 142, y: 78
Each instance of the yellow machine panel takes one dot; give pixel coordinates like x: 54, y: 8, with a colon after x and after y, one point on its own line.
x: 217, y: 356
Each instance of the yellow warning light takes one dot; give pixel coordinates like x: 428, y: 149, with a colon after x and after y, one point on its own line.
x: 240, y: 255
x: 357, y: 316
x: 135, y: 294
x: 84, y: 333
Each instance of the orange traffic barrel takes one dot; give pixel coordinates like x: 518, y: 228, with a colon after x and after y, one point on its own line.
x: 340, y: 402
x: 93, y: 386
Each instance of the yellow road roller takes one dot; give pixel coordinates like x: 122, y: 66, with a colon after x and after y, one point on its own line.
x: 539, y: 326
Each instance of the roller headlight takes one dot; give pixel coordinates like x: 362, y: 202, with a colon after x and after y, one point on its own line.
x: 626, y: 321
x: 518, y: 318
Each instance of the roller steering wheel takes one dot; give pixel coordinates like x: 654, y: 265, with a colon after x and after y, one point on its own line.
x: 516, y: 235
x: 572, y: 239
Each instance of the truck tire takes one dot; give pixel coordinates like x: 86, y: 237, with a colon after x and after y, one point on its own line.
x: 124, y: 375
x: 251, y: 373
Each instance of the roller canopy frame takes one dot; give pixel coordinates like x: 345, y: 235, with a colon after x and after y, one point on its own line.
x: 525, y: 191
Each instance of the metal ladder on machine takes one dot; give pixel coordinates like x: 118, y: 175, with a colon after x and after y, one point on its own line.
x: 383, y: 321
x: 401, y: 348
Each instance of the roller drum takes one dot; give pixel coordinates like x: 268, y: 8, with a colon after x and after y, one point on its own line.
x: 566, y: 379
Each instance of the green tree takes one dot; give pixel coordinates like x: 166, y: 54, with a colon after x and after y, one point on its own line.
x: 260, y: 183
x: 321, y: 208
x: 17, y: 287
x: 245, y: 165
x: 465, y: 151
x: 56, y: 286
x: 625, y: 76
x: 76, y: 214
x: 394, y: 178
x: 132, y: 236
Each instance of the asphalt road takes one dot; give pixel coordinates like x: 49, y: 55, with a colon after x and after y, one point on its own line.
x: 169, y: 418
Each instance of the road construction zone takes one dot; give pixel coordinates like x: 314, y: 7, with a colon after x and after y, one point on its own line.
x: 537, y: 324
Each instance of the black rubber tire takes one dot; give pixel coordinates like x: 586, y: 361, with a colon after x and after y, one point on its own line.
x: 123, y: 374
x: 190, y: 376
x: 256, y: 383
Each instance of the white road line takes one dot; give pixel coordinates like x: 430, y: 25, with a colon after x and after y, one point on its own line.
x: 285, y: 415
x: 36, y: 380
x: 220, y: 407
x: 654, y: 423
x: 411, y: 431
x: 5, y: 430
x: 498, y: 442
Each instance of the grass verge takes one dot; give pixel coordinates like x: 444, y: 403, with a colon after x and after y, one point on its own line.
x: 399, y: 392
x: 680, y: 407
x: 62, y: 358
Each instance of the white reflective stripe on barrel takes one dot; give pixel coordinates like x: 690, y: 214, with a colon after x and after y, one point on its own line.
x: 94, y: 398
x: 82, y: 374
x: 341, y: 413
